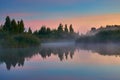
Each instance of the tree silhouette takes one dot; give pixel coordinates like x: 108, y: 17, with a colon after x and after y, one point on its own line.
x: 71, y: 29
x: 66, y: 29
x: 48, y: 31
x: 14, y: 27
x: 17, y: 27
x: 60, y: 28
x: 35, y: 32
x: 93, y: 29
x: 42, y: 30
x: 29, y: 31
x: 21, y: 26
x: 7, y: 25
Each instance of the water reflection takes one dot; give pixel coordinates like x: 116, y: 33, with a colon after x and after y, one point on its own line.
x: 110, y: 49
x: 13, y: 57
x: 61, y: 52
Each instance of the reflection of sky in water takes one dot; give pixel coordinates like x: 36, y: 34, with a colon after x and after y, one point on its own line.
x: 85, y: 65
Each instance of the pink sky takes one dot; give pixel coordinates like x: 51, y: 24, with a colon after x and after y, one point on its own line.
x: 83, y: 14
x: 80, y: 23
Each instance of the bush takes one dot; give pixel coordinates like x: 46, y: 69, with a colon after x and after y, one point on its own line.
x: 102, y: 36
x: 21, y: 40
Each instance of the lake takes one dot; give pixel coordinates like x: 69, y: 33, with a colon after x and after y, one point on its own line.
x: 61, y: 61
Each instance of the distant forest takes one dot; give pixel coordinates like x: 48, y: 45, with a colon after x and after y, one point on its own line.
x: 108, y: 34
x: 13, y: 33
x: 17, y: 27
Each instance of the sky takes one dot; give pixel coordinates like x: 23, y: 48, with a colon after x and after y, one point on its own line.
x: 83, y: 14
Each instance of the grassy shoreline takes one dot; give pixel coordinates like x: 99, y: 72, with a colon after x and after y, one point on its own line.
x: 19, y: 40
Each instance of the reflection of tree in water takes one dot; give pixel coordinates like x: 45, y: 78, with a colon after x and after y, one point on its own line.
x: 61, y: 52
x: 13, y: 57
x: 109, y: 49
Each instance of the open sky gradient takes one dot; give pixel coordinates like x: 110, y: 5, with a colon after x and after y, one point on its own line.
x: 83, y: 14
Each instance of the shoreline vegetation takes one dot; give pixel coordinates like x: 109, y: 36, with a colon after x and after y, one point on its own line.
x: 13, y: 34
x: 108, y: 34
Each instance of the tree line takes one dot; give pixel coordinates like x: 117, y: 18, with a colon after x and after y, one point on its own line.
x: 108, y: 34
x: 13, y: 26
x: 14, y: 34
x: 60, y: 32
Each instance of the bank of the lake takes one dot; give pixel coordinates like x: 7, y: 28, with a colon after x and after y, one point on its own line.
x: 18, y: 40
x: 108, y: 34
x: 13, y: 34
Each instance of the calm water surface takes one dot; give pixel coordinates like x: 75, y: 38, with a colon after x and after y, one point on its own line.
x: 61, y: 62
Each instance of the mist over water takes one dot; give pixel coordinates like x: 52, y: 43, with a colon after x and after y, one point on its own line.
x: 61, y: 61
x: 109, y: 48
x: 58, y: 44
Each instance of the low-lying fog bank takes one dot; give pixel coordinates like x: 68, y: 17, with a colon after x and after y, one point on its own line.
x: 58, y: 44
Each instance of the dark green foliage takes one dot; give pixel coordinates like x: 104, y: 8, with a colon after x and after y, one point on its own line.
x: 47, y: 33
x: 12, y: 35
x: 7, y: 25
x: 42, y: 30
x: 26, y: 40
x: 66, y: 29
x: 14, y: 27
x: 60, y: 28
x: 71, y: 29
x: 20, y: 40
x: 3, y: 35
x: 35, y: 32
x: 109, y: 36
x: 29, y: 31
x: 103, y: 36
x: 21, y: 26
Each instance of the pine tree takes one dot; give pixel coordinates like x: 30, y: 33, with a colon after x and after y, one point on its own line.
x: 60, y: 28
x: 14, y: 27
x: 29, y: 31
x: 42, y: 30
x: 21, y: 26
x: 71, y: 29
x: 7, y: 25
x: 35, y: 32
x: 48, y: 31
x: 18, y: 24
x: 66, y: 29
